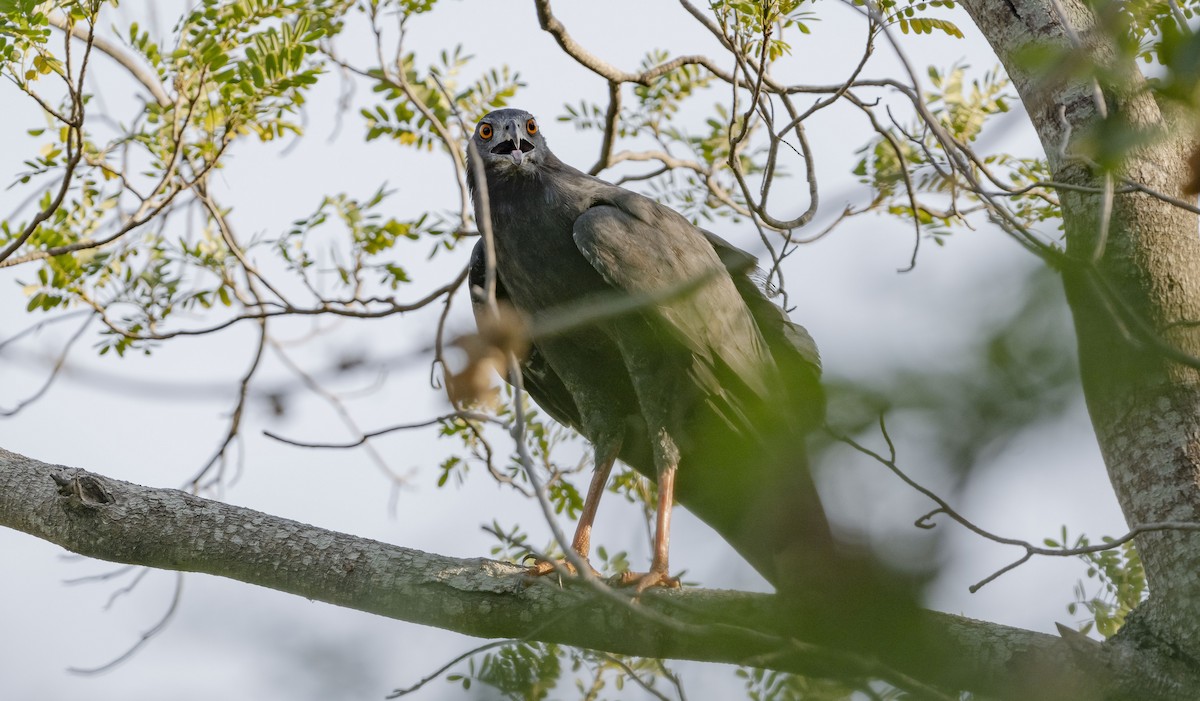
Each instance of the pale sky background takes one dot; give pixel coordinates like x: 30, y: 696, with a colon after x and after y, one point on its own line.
x: 156, y: 420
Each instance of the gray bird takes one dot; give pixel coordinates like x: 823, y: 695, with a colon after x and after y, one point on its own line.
x: 709, y: 376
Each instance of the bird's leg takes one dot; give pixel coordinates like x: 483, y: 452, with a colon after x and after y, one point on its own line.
x: 582, y: 542
x: 659, y: 574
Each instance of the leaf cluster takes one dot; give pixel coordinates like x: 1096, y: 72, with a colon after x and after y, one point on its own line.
x: 906, y: 16
x: 771, y: 685
x: 1121, y: 578
x: 403, y: 88
x: 530, y: 671
x: 904, y: 163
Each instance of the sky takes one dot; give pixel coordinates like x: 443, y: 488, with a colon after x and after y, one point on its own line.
x: 155, y: 420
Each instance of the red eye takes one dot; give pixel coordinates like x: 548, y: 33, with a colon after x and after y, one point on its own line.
x: 531, y: 126
x: 485, y: 131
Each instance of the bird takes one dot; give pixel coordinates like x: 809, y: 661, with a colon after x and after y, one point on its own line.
x: 700, y: 376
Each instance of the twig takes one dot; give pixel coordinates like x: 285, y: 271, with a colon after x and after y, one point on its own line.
x: 348, y: 421
x: 143, y: 75
x: 137, y: 579
x: 631, y: 674
x: 102, y: 577
x: 611, y: 119
x: 37, y: 327
x: 903, y: 167
x: 235, y: 420
x: 145, y: 637
x: 468, y: 415
x: 334, y: 307
x: 54, y: 371
x: 444, y: 668
x: 1030, y: 549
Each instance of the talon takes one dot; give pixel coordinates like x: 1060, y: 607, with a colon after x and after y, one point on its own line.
x: 641, y: 581
x: 544, y: 567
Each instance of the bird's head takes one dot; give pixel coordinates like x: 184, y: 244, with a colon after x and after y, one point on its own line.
x: 509, y: 141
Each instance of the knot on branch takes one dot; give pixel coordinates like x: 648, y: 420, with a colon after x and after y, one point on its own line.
x: 82, y: 489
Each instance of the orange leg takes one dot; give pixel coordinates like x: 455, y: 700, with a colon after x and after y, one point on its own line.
x: 659, y: 574
x: 582, y: 542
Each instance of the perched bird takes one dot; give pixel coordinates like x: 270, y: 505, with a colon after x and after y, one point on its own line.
x: 707, y: 377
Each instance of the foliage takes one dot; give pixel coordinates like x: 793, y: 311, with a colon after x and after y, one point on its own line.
x: 1122, y: 582
x: 904, y: 157
x: 1150, y: 25
x: 119, y: 219
x: 357, y: 250
x: 236, y: 70
x: 756, y: 23
x: 769, y: 685
x: 545, y: 440
x: 906, y: 18
x: 403, y: 88
x: 521, y: 671
x: 530, y: 671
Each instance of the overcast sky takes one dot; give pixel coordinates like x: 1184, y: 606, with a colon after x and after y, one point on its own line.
x: 156, y: 420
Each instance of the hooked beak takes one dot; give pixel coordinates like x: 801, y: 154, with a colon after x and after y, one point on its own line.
x: 513, y: 145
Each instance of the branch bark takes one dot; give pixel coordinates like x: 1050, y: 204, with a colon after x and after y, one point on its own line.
x: 168, y: 529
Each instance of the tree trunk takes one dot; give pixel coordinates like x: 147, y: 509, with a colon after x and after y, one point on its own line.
x: 1131, y: 293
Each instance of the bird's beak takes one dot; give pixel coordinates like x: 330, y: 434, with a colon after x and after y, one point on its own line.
x: 510, y: 142
x: 517, y: 155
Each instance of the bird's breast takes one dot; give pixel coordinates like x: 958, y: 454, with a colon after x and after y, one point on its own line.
x: 538, y: 261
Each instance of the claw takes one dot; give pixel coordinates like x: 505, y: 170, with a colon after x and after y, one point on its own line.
x: 641, y: 581
x: 541, y: 568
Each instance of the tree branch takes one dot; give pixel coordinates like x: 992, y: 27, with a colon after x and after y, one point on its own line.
x: 170, y: 529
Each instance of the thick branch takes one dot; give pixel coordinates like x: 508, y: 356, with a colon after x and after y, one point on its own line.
x: 169, y: 529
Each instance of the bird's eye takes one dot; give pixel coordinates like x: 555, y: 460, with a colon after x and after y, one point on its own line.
x: 531, y: 126
x: 485, y: 131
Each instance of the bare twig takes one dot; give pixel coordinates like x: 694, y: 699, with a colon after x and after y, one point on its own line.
x: 145, y: 637
x: 102, y: 577
x: 54, y: 371
x: 332, y: 307
x: 467, y: 415
x: 944, y: 507
x: 611, y: 120
x: 235, y: 420
x: 128, y: 588
x: 446, y: 667
x: 397, y: 481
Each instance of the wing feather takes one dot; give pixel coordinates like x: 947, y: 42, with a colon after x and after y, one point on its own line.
x: 640, y: 247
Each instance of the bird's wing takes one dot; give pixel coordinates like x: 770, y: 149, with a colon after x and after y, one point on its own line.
x: 540, y: 380
x: 736, y: 261
x: 773, y: 322
x: 792, y: 348
x: 641, y: 247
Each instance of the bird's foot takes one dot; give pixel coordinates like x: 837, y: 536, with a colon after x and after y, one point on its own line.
x: 641, y: 581
x: 541, y: 568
